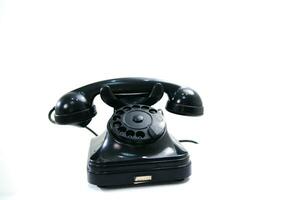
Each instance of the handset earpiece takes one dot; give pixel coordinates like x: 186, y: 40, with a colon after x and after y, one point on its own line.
x: 185, y: 101
x: 73, y: 108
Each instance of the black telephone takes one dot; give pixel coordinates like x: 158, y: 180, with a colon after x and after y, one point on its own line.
x: 136, y: 148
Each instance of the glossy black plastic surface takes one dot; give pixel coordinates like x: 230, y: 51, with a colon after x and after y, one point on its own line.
x: 185, y: 102
x: 136, y: 148
x: 137, y: 124
x: 113, y: 163
x: 74, y: 108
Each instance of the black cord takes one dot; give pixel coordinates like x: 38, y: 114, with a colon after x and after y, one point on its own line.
x: 192, y: 141
x: 49, y: 115
x: 91, y: 130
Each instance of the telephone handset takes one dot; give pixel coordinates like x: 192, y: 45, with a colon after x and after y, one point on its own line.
x: 136, y: 147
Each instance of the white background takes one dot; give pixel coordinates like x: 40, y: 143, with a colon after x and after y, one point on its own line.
x: 243, y: 57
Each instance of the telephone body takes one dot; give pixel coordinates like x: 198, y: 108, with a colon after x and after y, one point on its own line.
x: 136, y: 148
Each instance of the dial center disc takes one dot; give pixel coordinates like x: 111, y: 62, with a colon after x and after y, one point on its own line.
x: 137, y: 119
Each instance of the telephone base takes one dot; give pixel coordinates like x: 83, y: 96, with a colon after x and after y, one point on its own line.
x: 133, y: 178
x: 111, y: 164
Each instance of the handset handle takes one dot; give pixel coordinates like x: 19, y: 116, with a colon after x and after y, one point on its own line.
x: 126, y: 85
x: 76, y: 107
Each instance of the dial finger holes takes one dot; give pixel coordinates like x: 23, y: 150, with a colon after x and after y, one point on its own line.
x: 153, y: 111
x: 116, y: 117
x: 126, y: 108
x: 130, y: 133
x: 135, y: 106
x: 119, y: 112
x: 116, y: 124
x: 140, y: 134
x: 145, y: 107
x: 121, y: 129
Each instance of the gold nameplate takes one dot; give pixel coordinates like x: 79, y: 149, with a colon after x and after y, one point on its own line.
x: 140, y: 179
